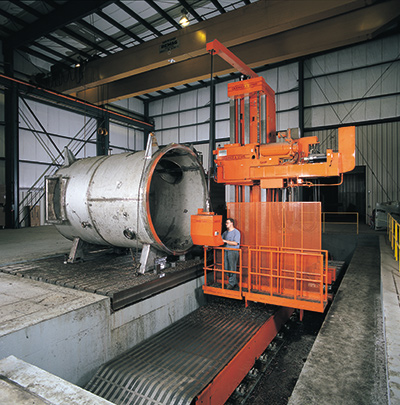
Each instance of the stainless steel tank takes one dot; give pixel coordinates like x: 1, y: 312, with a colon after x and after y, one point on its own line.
x: 130, y: 199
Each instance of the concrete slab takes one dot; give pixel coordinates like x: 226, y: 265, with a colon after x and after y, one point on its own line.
x: 71, y: 333
x: 25, y: 302
x: 347, y: 363
x: 23, y: 383
x: 391, y: 311
x: 31, y: 243
x: 63, y: 331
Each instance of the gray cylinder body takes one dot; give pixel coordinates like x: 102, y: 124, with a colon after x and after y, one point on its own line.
x: 128, y: 200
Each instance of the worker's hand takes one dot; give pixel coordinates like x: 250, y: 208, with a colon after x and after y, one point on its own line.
x: 230, y: 242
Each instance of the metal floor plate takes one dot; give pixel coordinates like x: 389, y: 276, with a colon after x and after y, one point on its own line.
x: 106, y: 273
x: 176, y: 364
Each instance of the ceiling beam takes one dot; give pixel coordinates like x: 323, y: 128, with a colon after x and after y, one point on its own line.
x: 84, y: 40
x: 191, y: 10
x: 137, y: 17
x: 61, y: 16
x: 66, y: 45
x: 51, y: 51
x: 13, y: 18
x: 100, y: 33
x: 218, y: 6
x: 163, y: 13
x: 116, y: 24
x: 28, y: 50
x: 42, y: 56
x: 27, y: 8
x: 48, y: 96
x: 339, y: 31
x: 245, y: 24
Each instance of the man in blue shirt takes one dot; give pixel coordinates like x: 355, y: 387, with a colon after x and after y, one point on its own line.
x: 231, y: 239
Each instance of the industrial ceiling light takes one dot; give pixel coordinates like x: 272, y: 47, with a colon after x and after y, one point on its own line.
x: 184, y: 21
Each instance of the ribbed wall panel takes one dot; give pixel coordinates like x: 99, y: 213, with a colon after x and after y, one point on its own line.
x: 378, y: 149
x: 355, y: 84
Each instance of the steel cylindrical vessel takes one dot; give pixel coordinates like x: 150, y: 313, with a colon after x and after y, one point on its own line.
x: 128, y: 200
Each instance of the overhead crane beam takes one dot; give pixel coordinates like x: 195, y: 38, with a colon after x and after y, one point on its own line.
x: 342, y: 30
x: 248, y: 23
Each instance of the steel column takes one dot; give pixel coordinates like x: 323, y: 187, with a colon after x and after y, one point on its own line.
x: 147, y: 131
x: 301, y: 110
x: 103, y: 135
x: 11, y: 145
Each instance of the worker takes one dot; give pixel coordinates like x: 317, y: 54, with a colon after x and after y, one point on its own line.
x: 231, y: 239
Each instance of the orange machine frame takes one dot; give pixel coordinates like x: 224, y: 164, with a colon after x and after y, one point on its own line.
x: 279, y: 263
x: 259, y: 158
x: 284, y: 164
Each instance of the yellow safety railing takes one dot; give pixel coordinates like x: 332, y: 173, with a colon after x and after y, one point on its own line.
x: 393, y: 230
x: 324, y: 221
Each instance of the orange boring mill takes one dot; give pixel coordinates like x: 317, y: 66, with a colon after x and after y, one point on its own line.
x: 280, y: 257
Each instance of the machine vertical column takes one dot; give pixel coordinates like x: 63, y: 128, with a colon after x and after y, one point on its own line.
x: 11, y: 145
x: 301, y: 96
x: 232, y: 121
x: 246, y: 119
x: 263, y: 118
x: 212, y: 121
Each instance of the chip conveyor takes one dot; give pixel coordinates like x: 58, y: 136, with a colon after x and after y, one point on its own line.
x: 200, y: 359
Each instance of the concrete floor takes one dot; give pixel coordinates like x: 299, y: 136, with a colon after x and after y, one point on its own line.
x: 19, y: 300
x: 31, y: 243
x: 37, y: 319
x: 16, y: 386
x: 355, y: 358
x: 390, y: 287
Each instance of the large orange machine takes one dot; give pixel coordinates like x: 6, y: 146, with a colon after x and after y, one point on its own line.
x: 281, y: 261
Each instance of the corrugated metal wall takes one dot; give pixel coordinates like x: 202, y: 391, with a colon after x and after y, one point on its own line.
x: 378, y: 149
x: 359, y: 85
x: 356, y: 84
x: 38, y: 155
x: 36, y: 150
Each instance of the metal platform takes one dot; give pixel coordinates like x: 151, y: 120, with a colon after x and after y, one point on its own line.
x: 106, y: 273
x: 199, y: 359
